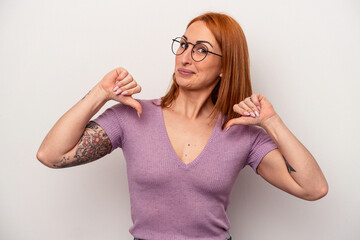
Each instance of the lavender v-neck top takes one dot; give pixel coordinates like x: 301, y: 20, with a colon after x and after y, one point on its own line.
x: 170, y: 199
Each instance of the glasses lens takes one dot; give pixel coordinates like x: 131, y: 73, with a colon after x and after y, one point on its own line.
x: 199, y: 52
x: 178, y: 46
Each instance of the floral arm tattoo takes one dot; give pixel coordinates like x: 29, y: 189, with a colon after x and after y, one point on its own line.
x: 93, y: 144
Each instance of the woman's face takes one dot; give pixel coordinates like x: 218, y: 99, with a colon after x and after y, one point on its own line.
x: 192, y: 75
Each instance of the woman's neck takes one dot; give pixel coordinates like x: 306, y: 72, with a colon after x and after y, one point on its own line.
x: 192, y: 104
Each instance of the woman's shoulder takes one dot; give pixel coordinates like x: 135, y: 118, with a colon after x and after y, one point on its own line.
x: 150, y: 109
x: 145, y: 103
x: 149, y: 103
x: 244, y: 132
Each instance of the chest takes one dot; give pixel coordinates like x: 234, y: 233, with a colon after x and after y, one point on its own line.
x: 188, y: 137
x: 167, y: 153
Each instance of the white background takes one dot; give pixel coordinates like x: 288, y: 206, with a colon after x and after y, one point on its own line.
x: 304, y: 59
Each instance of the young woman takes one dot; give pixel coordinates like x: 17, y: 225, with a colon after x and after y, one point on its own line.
x: 184, y: 151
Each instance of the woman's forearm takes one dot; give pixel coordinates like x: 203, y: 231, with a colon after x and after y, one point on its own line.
x: 303, y: 167
x: 68, y: 130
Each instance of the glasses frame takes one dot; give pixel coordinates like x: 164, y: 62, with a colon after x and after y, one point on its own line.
x: 177, y: 39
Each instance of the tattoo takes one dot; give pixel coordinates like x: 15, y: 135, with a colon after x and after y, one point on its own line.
x: 289, y: 167
x: 93, y: 144
x: 62, y: 163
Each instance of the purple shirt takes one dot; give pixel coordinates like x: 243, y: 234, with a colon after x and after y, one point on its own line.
x: 170, y: 199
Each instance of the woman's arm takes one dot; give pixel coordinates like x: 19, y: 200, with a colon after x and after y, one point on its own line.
x: 93, y: 144
x: 291, y: 167
x: 73, y: 140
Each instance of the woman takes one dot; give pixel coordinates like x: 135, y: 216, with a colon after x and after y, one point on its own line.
x: 185, y: 151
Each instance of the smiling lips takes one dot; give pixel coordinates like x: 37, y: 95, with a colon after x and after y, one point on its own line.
x: 185, y: 72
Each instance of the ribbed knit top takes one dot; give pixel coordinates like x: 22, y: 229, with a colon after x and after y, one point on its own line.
x: 170, y: 199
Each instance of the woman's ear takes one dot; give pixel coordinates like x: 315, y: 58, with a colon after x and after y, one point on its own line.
x: 220, y: 75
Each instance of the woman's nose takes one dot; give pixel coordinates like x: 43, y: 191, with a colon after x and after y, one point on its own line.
x: 186, y: 56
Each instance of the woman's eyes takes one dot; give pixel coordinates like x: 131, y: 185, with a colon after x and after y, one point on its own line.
x: 183, y: 45
x: 201, y: 49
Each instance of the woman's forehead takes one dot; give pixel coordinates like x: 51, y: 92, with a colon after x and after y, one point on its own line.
x: 198, y: 31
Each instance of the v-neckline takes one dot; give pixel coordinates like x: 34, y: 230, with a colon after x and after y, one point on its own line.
x: 179, y: 162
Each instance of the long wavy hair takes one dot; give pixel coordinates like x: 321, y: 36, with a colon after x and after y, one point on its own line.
x: 235, y: 84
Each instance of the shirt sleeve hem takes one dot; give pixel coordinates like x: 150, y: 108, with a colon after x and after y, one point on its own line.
x: 260, y: 155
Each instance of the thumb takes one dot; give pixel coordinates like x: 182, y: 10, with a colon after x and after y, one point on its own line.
x: 236, y: 121
x: 130, y: 101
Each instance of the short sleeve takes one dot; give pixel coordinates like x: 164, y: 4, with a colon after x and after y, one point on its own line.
x: 260, y: 145
x: 111, y: 122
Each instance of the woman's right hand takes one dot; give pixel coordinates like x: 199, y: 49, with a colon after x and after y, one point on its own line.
x: 72, y: 136
x: 119, y: 85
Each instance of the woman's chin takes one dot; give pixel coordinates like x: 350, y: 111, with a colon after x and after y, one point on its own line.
x: 184, y: 83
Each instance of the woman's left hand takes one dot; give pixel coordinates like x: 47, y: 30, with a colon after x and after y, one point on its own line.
x: 254, y: 110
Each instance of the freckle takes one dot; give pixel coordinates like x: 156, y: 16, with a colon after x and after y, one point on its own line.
x: 188, y: 144
x: 185, y: 155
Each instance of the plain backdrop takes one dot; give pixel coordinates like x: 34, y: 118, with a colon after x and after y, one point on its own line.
x: 304, y: 58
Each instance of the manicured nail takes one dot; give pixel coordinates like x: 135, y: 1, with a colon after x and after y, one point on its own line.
x: 117, y: 82
x: 257, y: 114
x: 118, y: 91
x: 115, y: 88
x: 259, y: 108
x: 227, y: 128
x: 252, y: 114
x: 246, y: 114
x: 138, y: 114
x: 124, y: 93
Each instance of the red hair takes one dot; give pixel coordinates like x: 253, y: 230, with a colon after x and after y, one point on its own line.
x: 235, y: 84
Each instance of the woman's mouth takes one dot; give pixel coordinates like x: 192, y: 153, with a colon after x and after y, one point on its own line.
x: 185, y: 72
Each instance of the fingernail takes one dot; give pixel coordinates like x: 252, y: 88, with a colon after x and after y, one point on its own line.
x: 117, y: 82
x: 252, y: 114
x: 118, y: 91
x: 257, y: 114
x: 246, y: 113
x: 138, y: 114
x: 259, y: 108
x: 124, y: 93
x: 227, y: 128
x: 115, y: 88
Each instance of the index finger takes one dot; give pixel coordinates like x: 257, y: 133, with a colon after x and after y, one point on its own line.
x: 255, y: 99
x: 122, y: 73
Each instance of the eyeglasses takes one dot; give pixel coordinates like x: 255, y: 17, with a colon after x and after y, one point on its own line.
x: 199, y: 50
